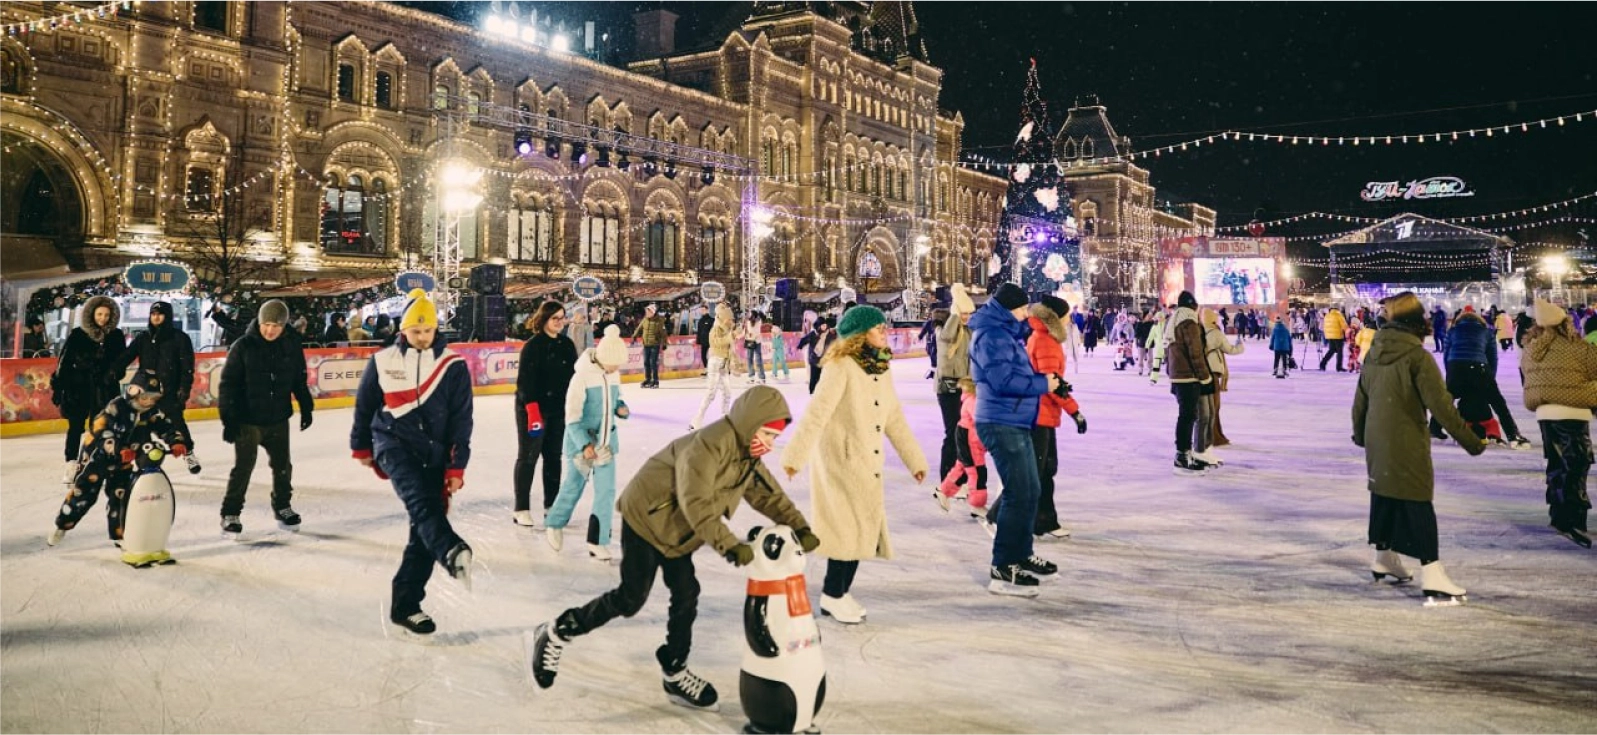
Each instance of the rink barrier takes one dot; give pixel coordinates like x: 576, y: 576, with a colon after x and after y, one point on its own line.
x: 333, y: 375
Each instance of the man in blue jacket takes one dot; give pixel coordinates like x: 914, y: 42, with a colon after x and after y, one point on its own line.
x: 1007, y: 394
x: 413, y: 426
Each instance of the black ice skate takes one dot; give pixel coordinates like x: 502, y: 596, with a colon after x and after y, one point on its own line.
x: 1011, y: 580
x: 458, y: 562
x: 231, y: 527
x: 1578, y: 535
x: 543, y: 655
x: 418, y: 622
x: 691, y: 690
x: 1439, y: 589
x: 287, y: 519
x: 1039, y: 567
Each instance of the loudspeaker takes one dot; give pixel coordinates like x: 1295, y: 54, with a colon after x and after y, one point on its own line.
x: 482, y: 318
x: 488, y: 278
x: 787, y: 289
x: 787, y: 314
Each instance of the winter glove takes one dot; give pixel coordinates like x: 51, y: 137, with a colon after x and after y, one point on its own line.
x: 128, y: 454
x: 534, y: 420
x: 179, y: 450
x: 740, y: 555
x: 808, y: 540
x: 304, y: 419
x: 1064, y: 389
x: 1081, y: 422
x: 229, y: 433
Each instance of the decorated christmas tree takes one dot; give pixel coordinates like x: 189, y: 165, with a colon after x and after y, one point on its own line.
x: 1037, y: 245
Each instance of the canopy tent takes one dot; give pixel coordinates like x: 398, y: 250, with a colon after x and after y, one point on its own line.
x: 526, y: 290
x: 326, y: 287
x: 822, y: 299
x: 1414, y: 249
x: 661, y: 293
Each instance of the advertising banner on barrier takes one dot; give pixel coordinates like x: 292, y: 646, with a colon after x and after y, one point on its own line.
x: 336, y: 372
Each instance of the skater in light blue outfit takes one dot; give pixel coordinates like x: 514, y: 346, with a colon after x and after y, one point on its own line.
x: 779, y: 354
x: 593, y: 402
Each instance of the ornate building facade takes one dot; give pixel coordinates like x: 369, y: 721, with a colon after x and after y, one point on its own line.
x: 316, y: 131
x: 1121, y: 218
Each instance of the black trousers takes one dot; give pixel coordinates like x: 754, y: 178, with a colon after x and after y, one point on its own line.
x: 651, y: 364
x: 1282, y: 359
x: 173, y: 408
x: 1494, y: 396
x: 704, y: 356
x: 1044, y: 444
x: 421, y: 488
x: 815, y: 377
x: 76, y: 423
x: 529, y: 449
x: 252, y: 438
x: 639, y: 561
x: 948, y: 403
x: 1335, y: 346
x: 839, y: 577
x: 1567, y: 447
x: 1189, y: 412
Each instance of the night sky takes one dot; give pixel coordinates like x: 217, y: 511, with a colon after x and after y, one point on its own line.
x: 1170, y: 72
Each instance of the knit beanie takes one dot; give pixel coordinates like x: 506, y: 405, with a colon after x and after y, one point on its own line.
x: 163, y: 308
x: 859, y: 320
x: 1548, y: 314
x: 650, y: 309
x: 612, y: 350
x: 961, y: 299
x: 1010, y: 297
x: 1054, y: 304
x: 419, y: 311
x: 1186, y: 300
x: 272, y: 312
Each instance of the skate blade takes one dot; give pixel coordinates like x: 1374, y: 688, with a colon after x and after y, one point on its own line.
x: 231, y: 536
x: 1179, y: 472
x: 1445, y: 600
x: 285, y: 527
x: 1004, y: 589
x: 680, y: 702
x: 1391, y: 579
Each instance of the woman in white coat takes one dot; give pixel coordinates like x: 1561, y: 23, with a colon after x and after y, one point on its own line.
x: 1216, y: 347
x: 842, y: 431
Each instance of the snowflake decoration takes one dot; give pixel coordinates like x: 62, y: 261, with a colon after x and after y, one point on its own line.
x: 1022, y: 172
x: 1056, y: 267
x: 1048, y: 197
x: 994, y: 264
x: 1025, y: 133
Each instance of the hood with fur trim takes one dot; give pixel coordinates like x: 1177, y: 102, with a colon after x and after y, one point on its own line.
x: 86, y: 319
x: 1044, y: 318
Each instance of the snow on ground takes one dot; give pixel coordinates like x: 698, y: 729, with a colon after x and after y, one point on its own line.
x: 1236, y: 602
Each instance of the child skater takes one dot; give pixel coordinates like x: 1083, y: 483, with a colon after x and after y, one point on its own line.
x: 109, y: 448
x: 1124, y: 357
x: 413, y: 426
x: 972, y: 457
x: 779, y: 354
x: 1281, y: 345
x: 719, y: 379
x: 592, y: 401
x: 677, y: 502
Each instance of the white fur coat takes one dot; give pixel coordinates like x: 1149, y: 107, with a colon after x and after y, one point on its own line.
x: 842, y: 433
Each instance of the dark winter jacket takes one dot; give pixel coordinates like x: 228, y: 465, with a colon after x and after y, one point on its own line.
x: 334, y: 334
x: 1439, y: 321
x: 232, y: 330
x: 260, y: 377
x: 1399, y: 384
x: 653, y: 331
x: 1280, y: 338
x: 815, y: 346
x: 417, y: 404
x: 1141, y: 330
x: 1008, y: 388
x: 682, y: 496
x: 119, y: 426
x: 35, y: 344
x: 86, y: 375
x: 544, y: 373
x: 1471, y: 340
x: 169, y: 353
x: 701, y: 335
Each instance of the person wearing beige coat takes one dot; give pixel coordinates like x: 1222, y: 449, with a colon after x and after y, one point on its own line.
x: 841, y: 432
x: 718, y: 379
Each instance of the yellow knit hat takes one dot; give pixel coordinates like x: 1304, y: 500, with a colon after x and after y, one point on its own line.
x: 419, y: 311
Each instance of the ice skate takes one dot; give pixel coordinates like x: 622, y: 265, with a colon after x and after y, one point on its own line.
x: 193, y: 462
x: 1039, y: 567
x: 1011, y: 581
x: 1188, y: 464
x: 458, y: 562
x: 977, y: 501
x: 941, y: 494
x: 555, y: 537
x: 287, y: 519
x: 1388, y: 564
x: 842, y: 609
x: 1207, y: 457
x: 70, y: 473
x: 522, y: 518
x: 691, y: 690
x: 232, y: 528
x: 1440, y: 591
x: 1058, y: 534
x: 419, y: 623
x: 597, y: 552
x: 1578, y: 535
x: 55, y: 537
x: 1519, y: 444
x: 986, y: 525
x: 543, y: 655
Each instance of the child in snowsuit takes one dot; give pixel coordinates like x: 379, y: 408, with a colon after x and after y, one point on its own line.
x: 592, y: 402
x: 779, y: 354
x: 1281, y: 345
x: 413, y: 423
x: 677, y: 502
x: 1124, y: 357
x: 972, y: 456
x: 109, y: 448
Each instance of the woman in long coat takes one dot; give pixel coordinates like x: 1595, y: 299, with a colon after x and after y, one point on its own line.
x: 854, y: 406
x: 85, y: 378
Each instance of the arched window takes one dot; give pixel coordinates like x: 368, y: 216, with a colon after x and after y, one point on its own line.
x: 473, y: 103
x: 601, y: 238
x: 660, y: 249
x: 903, y: 184
x: 715, y: 249
x: 385, y: 90
x: 210, y: 15
x: 532, y: 233
x: 11, y: 72
x: 829, y: 177
x: 199, y: 191
x: 848, y: 174
x: 353, y: 222
x: 346, y: 82
x: 787, y: 160
x: 440, y: 97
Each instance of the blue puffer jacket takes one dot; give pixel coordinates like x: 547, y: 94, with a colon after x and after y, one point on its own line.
x: 1280, y: 338
x: 417, y: 402
x: 1470, y: 340
x: 593, y: 402
x: 1007, y: 389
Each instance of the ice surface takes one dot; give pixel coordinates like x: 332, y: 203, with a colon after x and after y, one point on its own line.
x: 1237, y: 602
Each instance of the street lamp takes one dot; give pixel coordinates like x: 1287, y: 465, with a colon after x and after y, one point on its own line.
x: 1556, y: 266
x: 458, y: 197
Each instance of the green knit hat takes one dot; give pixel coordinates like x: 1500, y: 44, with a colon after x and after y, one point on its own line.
x: 859, y: 320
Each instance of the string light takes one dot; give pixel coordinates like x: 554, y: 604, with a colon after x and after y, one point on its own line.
x: 1371, y: 220
x: 101, y: 11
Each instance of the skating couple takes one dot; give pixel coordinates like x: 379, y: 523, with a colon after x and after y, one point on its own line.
x: 1472, y: 380
x: 1191, y: 382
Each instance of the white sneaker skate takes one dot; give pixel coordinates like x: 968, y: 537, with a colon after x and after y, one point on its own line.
x: 1440, y: 591
x: 193, y: 463
x: 1058, y: 534
x: 555, y: 537
x: 1208, y: 457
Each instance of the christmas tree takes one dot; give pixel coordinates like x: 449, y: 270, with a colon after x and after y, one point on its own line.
x: 1037, y: 245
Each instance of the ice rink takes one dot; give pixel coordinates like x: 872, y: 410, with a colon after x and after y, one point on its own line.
x: 1234, y: 602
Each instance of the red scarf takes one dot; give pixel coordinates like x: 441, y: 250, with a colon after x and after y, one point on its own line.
x: 798, y: 598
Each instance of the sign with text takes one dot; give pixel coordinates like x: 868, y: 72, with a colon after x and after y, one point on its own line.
x: 1435, y: 187
x: 712, y: 292
x: 587, y: 288
x: 156, y: 276
x: 415, y: 279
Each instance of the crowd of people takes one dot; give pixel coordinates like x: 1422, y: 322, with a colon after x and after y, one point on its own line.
x: 998, y: 379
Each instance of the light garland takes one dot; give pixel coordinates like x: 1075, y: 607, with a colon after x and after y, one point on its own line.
x: 1371, y: 220
x: 99, y: 12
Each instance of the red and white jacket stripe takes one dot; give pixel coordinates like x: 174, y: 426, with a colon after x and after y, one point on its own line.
x: 416, y: 401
